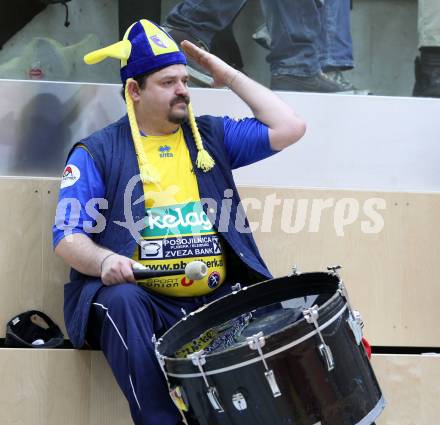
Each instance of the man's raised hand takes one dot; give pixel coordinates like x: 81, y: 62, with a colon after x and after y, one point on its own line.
x: 222, y: 73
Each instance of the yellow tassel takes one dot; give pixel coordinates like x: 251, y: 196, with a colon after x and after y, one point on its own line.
x: 204, y: 160
x: 148, y: 173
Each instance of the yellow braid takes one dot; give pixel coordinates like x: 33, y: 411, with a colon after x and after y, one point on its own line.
x: 148, y: 173
x: 204, y: 161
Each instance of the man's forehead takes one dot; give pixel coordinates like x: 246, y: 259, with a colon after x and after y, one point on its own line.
x: 172, y: 71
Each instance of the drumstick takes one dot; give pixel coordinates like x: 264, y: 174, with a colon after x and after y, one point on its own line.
x: 195, y: 270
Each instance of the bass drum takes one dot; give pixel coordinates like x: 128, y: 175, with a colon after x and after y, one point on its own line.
x: 300, y: 365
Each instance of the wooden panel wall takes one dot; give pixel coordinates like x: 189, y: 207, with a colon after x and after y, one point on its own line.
x: 410, y: 386
x: 391, y: 275
x: 31, y: 275
x: 41, y: 386
x: 107, y: 403
x: 44, y: 387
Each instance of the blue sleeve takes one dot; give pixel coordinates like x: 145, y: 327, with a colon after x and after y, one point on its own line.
x: 81, y: 181
x: 246, y: 141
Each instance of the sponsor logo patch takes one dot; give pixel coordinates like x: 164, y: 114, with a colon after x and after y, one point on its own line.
x: 178, y: 220
x: 186, y: 282
x: 214, y: 280
x: 151, y: 249
x: 158, y: 41
x: 71, y: 175
x: 182, y: 247
x: 165, y: 152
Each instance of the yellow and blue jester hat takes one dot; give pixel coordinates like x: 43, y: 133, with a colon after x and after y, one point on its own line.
x: 147, y: 47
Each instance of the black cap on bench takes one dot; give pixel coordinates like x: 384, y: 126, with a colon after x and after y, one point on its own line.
x: 33, y: 329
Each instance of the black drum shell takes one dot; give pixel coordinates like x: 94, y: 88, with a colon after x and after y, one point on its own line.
x: 310, y: 394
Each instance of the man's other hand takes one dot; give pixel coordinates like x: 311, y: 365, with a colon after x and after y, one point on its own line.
x: 116, y: 268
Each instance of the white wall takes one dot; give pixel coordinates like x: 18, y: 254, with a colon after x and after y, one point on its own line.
x: 352, y: 142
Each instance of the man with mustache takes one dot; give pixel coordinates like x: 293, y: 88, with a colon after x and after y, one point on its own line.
x: 162, y: 153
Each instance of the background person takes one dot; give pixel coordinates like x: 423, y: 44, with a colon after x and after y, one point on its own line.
x: 310, y: 41
x: 427, y: 65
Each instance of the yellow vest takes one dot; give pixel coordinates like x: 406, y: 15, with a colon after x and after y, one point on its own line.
x: 177, y: 229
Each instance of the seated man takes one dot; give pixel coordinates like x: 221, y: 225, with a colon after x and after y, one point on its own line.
x: 181, y: 167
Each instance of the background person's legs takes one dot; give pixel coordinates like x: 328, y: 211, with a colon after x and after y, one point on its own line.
x: 208, y: 24
x: 295, y: 28
x: 202, y: 19
x: 427, y: 65
x: 429, y: 23
x: 335, y: 43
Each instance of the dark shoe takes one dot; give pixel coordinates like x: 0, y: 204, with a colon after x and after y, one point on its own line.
x: 427, y: 70
x: 338, y: 77
x: 197, y: 74
x: 262, y: 37
x: 318, y: 83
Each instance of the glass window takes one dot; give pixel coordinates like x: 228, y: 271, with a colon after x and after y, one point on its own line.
x: 299, y: 45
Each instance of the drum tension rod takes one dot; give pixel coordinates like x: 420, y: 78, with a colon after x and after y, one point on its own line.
x: 334, y: 269
x: 199, y: 359
x: 160, y: 359
x: 257, y: 342
x: 295, y: 271
x: 236, y: 288
x: 311, y: 315
x: 355, y: 319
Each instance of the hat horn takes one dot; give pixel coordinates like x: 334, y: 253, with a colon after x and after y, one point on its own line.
x: 120, y: 50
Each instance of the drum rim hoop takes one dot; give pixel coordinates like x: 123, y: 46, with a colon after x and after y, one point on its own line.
x: 257, y: 358
x: 160, y: 341
x: 374, y: 413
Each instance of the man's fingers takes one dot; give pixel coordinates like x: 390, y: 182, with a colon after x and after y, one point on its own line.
x: 127, y: 272
x: 193, y: 51
x: 118, y: 270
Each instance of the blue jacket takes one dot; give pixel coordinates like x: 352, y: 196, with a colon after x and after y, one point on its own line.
x: 113, y: 151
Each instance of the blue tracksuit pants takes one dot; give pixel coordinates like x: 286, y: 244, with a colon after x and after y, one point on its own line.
x: 122, y: 321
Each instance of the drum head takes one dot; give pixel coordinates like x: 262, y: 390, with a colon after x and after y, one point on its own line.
x: 261, y: 301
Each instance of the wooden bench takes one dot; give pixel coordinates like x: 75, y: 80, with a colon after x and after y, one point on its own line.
x: 391, y: 278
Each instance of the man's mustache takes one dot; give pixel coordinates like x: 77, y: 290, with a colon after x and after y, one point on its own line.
x: 179, y: 99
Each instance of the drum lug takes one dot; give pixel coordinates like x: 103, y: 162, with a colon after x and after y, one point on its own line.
x: 311, y: 315
x: 334, y: 269
x: 214, y: 398
x: 270, y: 376
x: 355, y: 319
x: 356, y: 324
x: 199, y: 359
x: 326, y: 353
x: 236, y: 288
x: 256, y: 342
